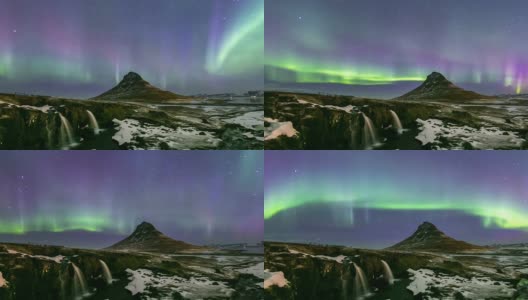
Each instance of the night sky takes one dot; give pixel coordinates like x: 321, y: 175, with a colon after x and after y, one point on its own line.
x: 385, y: 48
x: 82, y: 48
x: 94, y: 198
x: 376, y: 199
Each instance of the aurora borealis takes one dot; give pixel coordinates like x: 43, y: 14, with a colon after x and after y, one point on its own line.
x: 385, y: 48
x: 82, y: 48
x: 94, y: 198
x: 375, y: 199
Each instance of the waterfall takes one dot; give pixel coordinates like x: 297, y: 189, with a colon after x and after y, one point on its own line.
x: 93, y: 122
x: 369, y: 135
x: 387, y: 272
x: 360, y: 283
x: 106, y: 272
x: 66, y: 132
x: 79, y: 283
x: 396, y: 123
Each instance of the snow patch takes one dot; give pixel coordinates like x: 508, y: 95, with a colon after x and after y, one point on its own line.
x: 275, y: 278
x: 276, y: 129
x: 3, y: 282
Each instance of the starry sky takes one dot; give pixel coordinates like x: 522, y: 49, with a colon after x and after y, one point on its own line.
x: 374, y: 199
x: 83, y: 48
x: 93, y: 199
x: 383, y: 49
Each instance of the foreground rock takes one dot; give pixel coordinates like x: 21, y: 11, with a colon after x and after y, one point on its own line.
x: 302, y: 271
x: 309, y: 121
x: 39, y: 122
x: 34, y: 272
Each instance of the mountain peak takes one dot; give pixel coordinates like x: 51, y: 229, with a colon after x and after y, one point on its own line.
x: 147, y: 238
x: 437, y: 87
x: 428, y: 237
x: 436, y: 77
x: 427, y: 226
x: 134, y: 88
x: 132, y: 76
x: 145, y: 227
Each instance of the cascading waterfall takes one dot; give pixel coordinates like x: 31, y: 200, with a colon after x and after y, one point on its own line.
x: 93, y: 122
x: 360, y: 283
x: 106, y: 272
x: 369, y: 135
x: 66, y: 132
x: 396, y: 123
x: 387, y: 272
x: 79, y: 283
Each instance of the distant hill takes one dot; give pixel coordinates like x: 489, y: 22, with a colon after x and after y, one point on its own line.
x: 437, y: 87
x: 134, y: 88
x: 429, y: 238
x: 148, y: 239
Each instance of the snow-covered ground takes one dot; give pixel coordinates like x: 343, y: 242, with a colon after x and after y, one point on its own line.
x: 338, y: 258
x: 45, y: 109
x: 129, y: 130
x: 484, y: 138
x: 276, y: 129
x: 251, y: 120
x: 57, y: 259
x: 348, y: 108
x: 190, y: 288
x: 473, y: 288
x: 256, y: 270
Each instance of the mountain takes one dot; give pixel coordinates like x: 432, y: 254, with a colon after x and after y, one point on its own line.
x: 135, y: 88
x: 148, y: 239
x: 437, y: 87
x: 428, y: 238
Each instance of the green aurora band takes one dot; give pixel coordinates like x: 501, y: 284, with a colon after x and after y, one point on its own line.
x: 494, y: 210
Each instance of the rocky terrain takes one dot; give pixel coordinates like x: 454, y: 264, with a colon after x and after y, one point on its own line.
x: 114, y: 121
x: 437, y: 115
x: 309, y: 271
x: 53, y: 272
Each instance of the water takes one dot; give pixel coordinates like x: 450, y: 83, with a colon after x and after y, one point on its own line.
x: 396, y: 123
x: 106, y: 272
x: 387, y: 272
x: 93, y: 122
x: 360, y: 283
x: 79, y: 283
x: 66, y: 133
x: 369, y: 135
